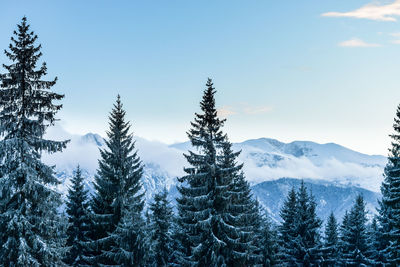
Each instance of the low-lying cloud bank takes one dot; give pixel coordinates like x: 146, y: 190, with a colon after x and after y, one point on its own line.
x: 259, y: 165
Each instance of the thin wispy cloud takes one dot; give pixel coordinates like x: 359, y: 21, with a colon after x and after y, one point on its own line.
x: 372, y: 11
x: 252, y: 110
x: 395, y: 42
x: 355, y: 42
x: 243, y: 108
x: 226, y: 111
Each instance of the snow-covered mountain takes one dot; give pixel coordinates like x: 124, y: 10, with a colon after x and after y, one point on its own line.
x: 329, y: 197
x: 265, y: 160
x: 268, y: 159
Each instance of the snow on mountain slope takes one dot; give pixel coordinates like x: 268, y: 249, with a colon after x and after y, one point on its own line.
x: 162, y: 164
x: 264, y: 160
x: 329, y: 197
x: 269, y: 159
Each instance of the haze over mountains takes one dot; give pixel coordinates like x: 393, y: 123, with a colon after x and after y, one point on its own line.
x: 327, y: 168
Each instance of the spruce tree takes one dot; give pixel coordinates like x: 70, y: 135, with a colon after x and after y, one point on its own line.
x: 129, y: 242
x: 307, y: 242
x: 344, y: 238
x: 118, y: 189
x: 375, y: 249
x: 31, y: 229
x: 267, y: 241
x: 243, y: 213
x: 331, y: 242
x: 389, y: 209
x: 160, y: 227
x: 206, y: 191
x: 79, y: 220
x: 288, y: 231
x: 354, y: 236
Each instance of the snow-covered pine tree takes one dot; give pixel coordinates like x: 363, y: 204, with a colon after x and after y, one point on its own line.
x: 31, y: 229
x: 375, y: 249
x: 344, y: 239
x: 354, y: 243
x: 79, y: 220
x: 205, y: 190
x: 287, y: 230
x: 129, y: 241
x: 180, y: 247
x: 267, y: 241
x: 160, y: 227
x: 331, y: 242
x: 118, y: 189
x: 243, y: 213
x: 389, y: 209
x: 307, y: 242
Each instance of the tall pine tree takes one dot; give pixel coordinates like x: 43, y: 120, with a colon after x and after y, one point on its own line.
x: 31, y: 229
x: 267, y: 241
x: 79, y: 219
x: 299, y: 236
x: 307, y: 242
x: 375, y: 248
x: 287, y: 230
x: 243, y: 213
x: 354, y: 243
x: 204, y: 205
x: 161, y: 227
x: 331, y: 242
x: 389, y: 210
x: 118, y: 189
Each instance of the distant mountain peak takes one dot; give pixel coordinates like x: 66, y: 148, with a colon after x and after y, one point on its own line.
x: 93, y: 138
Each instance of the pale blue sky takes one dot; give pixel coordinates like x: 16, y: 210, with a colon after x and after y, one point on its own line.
x: 282, y: 69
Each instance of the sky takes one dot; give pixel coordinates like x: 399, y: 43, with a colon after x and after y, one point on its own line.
x: 324, y: 71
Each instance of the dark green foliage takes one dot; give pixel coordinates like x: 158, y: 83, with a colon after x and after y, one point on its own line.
x: 160, y: 227
x: 31, y: 229
x: 118, y: 189
x: 389, y: 210
x: 299, y: 235
x: 353, y: 234
x: 79, y: 222
x: 129, y: 241
x: 204, y: 190
x: 331, y: 242
x: 243, y: 213
x: 307, y: 228
x: 215, y: 207
x: 375, y: 248
x: 268, y: 243
x: 287, y: 229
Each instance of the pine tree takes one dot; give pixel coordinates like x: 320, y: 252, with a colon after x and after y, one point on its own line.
x: 354, y: 235
x: 118, y: 190
x: 160, y: 226
x: 268, y: 244
x: 344, y: 239
x: 206, y: 191
x: 180, y: 245
x: 331, y: 242
x: 307, y: 242
x: 299, y: 237
x: 374, y: 252
x: 129, y: 241
x: 79, y: 222
x: 287, y: 230
x: 389, y: 209
x: 243, y: 213
x: 31, y: 229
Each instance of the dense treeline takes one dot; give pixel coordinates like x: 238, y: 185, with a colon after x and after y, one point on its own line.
x: 216, y: 222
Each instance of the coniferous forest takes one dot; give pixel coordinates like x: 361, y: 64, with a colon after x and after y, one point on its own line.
x: 216, y: 220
